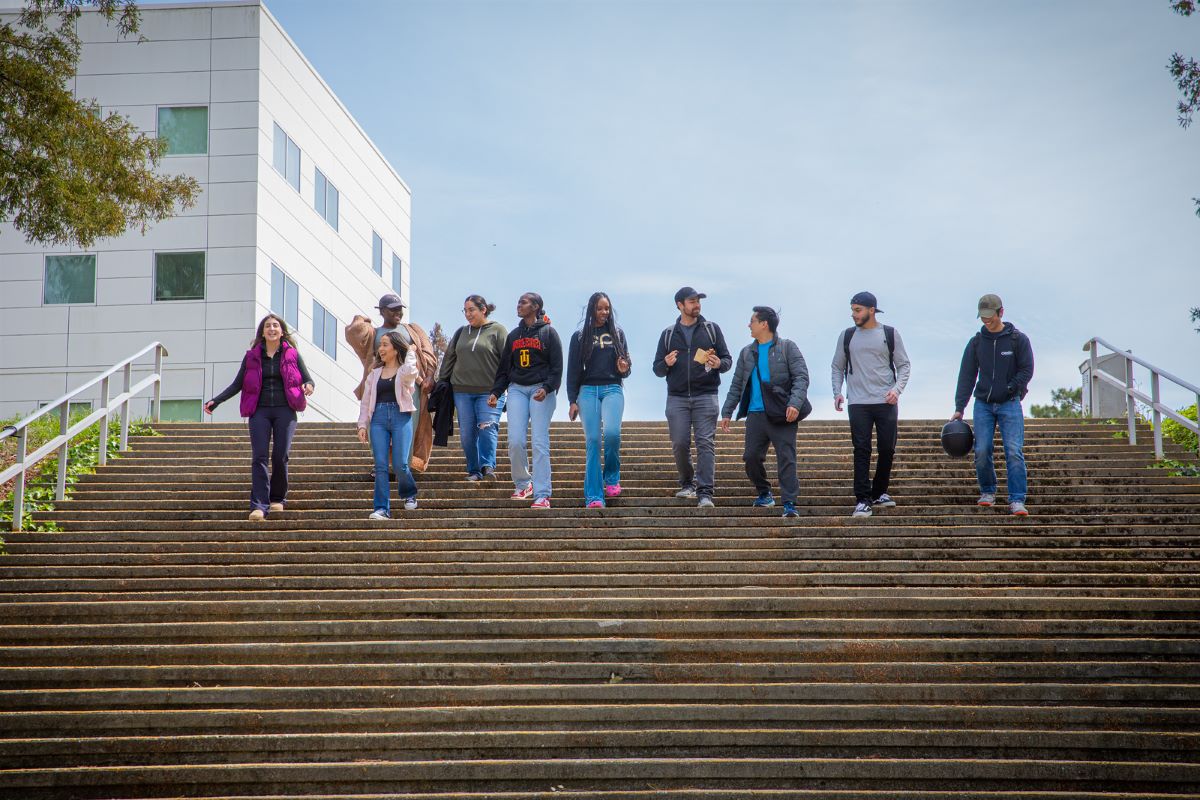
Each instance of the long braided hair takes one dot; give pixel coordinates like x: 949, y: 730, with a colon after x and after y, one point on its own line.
x: 610, y: 326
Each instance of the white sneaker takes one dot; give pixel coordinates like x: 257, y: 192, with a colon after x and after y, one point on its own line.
x: 687, y: 493
x: 410, y: 504
x: 883, y: 501
x: 379, y: 515
x: 862, y: 510
x: 986, y: 499
x: 705, y: 502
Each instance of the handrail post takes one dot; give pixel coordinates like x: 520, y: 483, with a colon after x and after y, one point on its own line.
x: 1130, y: 403
x: 1198, y: 422
x: 128, y: 374
x: 156, y: 408
x: 64, y: 424
x: 1157, y: 415
x: 1094, y: 382
x: 19, y: 483
x: 104, y: 400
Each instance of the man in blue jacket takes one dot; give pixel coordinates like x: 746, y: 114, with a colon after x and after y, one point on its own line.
x: 997, y: 365
x: 692, y: 355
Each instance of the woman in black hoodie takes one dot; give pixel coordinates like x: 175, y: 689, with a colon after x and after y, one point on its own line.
x: 531, y: 372
x: 597, y: 361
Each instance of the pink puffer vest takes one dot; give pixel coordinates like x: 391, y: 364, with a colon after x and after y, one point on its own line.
x: 292, y: 382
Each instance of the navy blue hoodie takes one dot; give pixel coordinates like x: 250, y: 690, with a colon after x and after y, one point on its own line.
x: 998, y: 366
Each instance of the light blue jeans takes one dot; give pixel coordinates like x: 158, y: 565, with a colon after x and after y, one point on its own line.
x: 478, y: 430
x: 601, y: 409
x: 1012, y: 432
x: 391, y: 430
x: 523, y: 410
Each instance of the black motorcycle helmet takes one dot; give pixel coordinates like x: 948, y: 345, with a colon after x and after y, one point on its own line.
x: 957, y: 438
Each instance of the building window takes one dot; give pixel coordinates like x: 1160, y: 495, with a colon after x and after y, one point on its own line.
x: 287, y: 158
x: 376, y: 254
x: 185, y: 129
x: 325, y: 198
x: 181, y: 411
x: 397, y: 272
x: 179, y: 276
x: 324, y: 330
x: 70, y: 279
x: 285, y: 297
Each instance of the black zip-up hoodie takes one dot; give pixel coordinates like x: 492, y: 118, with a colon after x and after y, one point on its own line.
x: 689, y: 378
x: 532, y: 355
x: 998, y: 366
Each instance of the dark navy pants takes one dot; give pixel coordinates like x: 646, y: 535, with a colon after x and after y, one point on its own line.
x: 278, y: 422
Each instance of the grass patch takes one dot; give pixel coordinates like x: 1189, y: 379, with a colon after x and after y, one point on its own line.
x: 83, y: 454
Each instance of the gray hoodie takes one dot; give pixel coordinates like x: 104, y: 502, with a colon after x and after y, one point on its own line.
x: 470, y: 364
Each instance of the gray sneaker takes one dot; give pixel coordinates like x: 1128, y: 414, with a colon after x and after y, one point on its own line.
x: 862, y: 510
x: 705, y: 502
x: 687, y: 493
x: 986, y: 499
x: 1018, y: 509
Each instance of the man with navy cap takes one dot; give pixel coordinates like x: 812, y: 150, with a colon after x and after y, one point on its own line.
x: 872, y: 361
x: 692, y: 355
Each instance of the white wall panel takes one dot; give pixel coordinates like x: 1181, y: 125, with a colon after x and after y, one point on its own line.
x: 231, y: 230
x: 162, y: 88
x: 233, y: 115
x: 240, y: 53
x: 234, y: 21
x: 233, y: 142
x: 231, y: 198
x: 124, y: 292
x: 132, y: 57
x: 234, y: 85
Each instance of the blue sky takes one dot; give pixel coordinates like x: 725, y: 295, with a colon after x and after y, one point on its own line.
x: 790, y: 153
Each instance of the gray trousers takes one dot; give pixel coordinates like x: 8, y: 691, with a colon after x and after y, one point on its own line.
x: 687, y: 415
x: 782, y: 436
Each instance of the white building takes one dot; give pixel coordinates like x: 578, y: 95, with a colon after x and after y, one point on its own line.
x: 300, y: 213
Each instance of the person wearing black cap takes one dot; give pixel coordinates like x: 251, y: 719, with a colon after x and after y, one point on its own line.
x: 872, y: 361
x: 692, y: 355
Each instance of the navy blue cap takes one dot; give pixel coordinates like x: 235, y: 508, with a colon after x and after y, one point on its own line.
x: 866, y: 300
x: 686, y: 292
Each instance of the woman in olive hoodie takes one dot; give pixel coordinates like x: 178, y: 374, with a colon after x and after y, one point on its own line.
x: 470, y: 367
x: 531, y: 371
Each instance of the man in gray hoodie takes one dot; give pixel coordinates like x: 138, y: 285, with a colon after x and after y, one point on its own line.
x: 872, y: 361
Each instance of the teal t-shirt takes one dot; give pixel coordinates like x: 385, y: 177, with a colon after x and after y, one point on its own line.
x: 764, y: 373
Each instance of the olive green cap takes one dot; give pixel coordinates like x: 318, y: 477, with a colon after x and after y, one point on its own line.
x: 989, y: 304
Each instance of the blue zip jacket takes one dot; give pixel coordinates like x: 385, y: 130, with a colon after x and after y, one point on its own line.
x: 998, y: 366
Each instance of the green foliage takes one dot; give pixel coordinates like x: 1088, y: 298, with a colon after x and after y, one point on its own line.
x: 1064, y: 403
x: 1186, y: 72
x: 68, y: 174
x: 1196, y: 311
x: 83, y: 454
x: 1179, y: 434
x: 1178, y: 469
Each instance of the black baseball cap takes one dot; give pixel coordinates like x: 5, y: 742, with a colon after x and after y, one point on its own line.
x: 866, y: 300
x: 390, y: 301
x: 686, y: 292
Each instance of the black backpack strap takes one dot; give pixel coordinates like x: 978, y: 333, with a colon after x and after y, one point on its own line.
x: 846, y: 336
x: 889, y: 335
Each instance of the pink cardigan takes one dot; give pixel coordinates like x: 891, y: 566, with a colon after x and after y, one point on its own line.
x: 406, y: 380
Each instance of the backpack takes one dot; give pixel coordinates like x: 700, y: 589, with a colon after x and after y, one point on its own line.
x: 708, y: 326
x: 889, y: 336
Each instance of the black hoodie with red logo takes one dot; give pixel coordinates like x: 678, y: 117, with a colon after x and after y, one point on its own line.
x: 532, y: 356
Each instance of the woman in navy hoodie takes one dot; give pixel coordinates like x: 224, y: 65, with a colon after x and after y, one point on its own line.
x: 531, y: 372
x: 275, y: 385
x: 597, y: 361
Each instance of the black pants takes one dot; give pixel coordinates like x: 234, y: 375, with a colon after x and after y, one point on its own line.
x: 883, y: 417
x: 782, y: 436
x: 278, y: 422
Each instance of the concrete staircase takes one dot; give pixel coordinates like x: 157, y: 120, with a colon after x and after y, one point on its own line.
x: 164, y: 646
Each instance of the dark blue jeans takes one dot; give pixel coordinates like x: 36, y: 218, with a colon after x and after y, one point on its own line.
x: 391, y: 432
x: 1011, y: 420
x: 278, y: 422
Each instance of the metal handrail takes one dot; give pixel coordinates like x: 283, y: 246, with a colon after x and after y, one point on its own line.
x: 1132, y: 395
x: 67, y: 431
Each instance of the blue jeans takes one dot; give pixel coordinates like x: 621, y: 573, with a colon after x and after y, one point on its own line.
x: 601, y: 408
x: 391, y: 430
x: 1012, y: 432
x: 478, y: 429
x: 522, y: 410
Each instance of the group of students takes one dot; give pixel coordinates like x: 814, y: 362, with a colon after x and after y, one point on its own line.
x: 489, y: 370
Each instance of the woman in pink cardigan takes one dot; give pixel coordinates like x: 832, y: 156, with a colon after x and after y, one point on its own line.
x: 386, y: 411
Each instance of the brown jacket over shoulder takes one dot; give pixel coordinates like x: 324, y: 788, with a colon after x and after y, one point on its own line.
x: 360, y: 335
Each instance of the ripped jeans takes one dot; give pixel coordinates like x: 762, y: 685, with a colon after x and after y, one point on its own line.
x: 479, y: 430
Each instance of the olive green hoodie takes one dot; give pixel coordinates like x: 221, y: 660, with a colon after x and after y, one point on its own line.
x: 472, y: 358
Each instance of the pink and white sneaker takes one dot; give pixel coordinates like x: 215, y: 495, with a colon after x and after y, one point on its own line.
x: 596, y: 504
x: 522, y: 494
x: 541, y: 502
x: 612, y: 491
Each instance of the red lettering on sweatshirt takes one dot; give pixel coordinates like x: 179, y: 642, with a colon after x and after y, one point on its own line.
x: 529, y: 343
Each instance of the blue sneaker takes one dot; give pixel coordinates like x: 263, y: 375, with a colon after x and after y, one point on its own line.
x: 764, y: 500
x: 789, y: 510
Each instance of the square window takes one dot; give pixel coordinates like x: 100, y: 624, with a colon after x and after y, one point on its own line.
x: 185, y: 129
x: 397, y: 274
x: 70, y: 279
x: 376, y: 253
x: 181, y: 410
x: 179, y: 276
